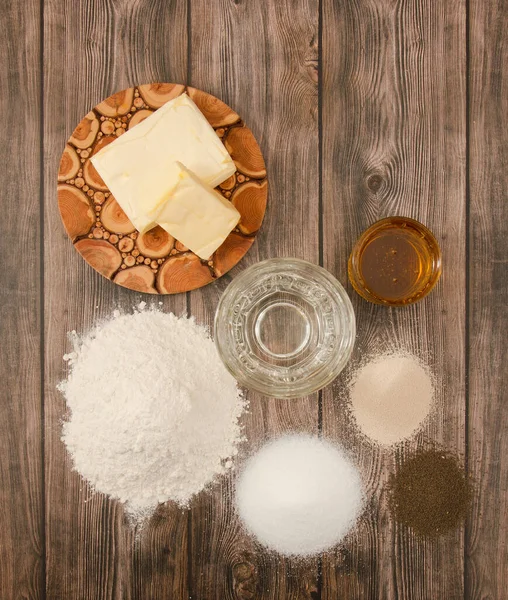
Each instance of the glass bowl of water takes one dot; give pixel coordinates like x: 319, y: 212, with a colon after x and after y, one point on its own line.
x: 285, y: 328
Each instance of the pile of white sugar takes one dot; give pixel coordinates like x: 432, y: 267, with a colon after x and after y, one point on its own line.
x: 391, y: 395
x: 153, y: 411
x: 299, y: 495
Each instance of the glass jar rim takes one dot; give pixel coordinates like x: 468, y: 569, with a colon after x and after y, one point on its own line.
x: 341, y: 303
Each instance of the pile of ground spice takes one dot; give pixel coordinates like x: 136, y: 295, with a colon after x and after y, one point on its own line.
x: 391, y: 395
x: 430, y: 493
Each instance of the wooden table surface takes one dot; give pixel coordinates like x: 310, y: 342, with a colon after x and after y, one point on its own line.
x: 363, y: 109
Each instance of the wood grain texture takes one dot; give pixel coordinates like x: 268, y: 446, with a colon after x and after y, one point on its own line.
x: 487, y: 526
x: 21, y: 472
x: 263, y: 65
x: 92, y: 50
x: 393, y: 96
x: 394, y: 140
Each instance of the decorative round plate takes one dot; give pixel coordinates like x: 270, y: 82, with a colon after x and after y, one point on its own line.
x: 155, y: 262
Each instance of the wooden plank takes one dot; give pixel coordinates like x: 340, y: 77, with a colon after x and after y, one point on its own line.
x: 21, y: 466
x: 92, y: 50
x: 263, y: 64
x: 487, y: 527
x: 393, y: 96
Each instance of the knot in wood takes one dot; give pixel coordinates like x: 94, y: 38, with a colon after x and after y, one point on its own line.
x: 245, y: 580
x: 312, y: 66
x: 243, y: 571
x: 374, y: 182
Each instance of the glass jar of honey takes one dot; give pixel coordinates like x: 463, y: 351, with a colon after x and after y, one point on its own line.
x: 396, y: 261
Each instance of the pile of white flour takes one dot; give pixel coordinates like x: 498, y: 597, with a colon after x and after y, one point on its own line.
x: 153, y: 411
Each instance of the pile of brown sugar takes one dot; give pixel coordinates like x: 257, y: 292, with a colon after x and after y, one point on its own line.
x: 430, y: 493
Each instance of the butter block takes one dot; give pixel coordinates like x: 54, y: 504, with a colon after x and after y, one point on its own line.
x: 196, y: 214
x: 139, y: 167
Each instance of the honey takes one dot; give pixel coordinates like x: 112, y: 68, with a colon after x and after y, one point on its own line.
x: 397, y: 261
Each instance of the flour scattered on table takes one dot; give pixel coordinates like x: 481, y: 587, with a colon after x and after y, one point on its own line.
x: 154, y: 415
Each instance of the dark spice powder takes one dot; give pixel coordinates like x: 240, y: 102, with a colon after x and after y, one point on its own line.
x: 430, y: 493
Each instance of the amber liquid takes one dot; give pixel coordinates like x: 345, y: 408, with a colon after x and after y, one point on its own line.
x: 397, y: 263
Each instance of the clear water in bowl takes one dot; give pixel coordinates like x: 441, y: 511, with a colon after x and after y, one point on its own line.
x: 285, y: 327
x: 276, y: 310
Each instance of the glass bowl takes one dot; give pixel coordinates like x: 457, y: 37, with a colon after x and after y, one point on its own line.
x: 285, y: 328
x: 396, y: 261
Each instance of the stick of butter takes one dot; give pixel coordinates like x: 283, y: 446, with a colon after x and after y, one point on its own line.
x: 138, y: 167
x: 196, y: 214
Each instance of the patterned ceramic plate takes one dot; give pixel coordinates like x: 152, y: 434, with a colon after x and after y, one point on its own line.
x: 155, y: 262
